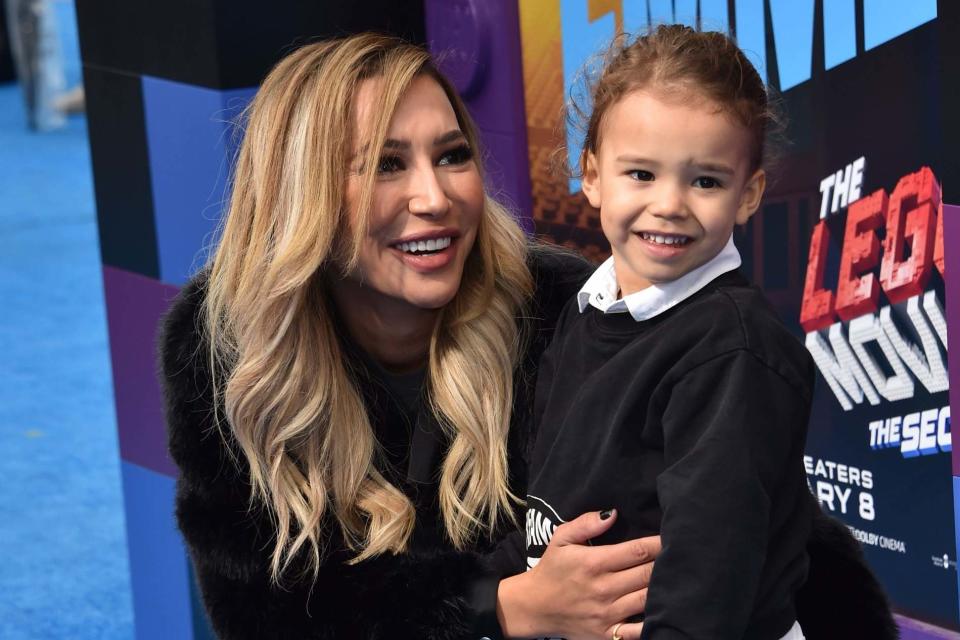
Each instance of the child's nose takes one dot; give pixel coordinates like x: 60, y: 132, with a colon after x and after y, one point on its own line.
x: 669, y: 203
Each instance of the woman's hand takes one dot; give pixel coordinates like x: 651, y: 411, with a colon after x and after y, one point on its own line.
x: 578, y: 591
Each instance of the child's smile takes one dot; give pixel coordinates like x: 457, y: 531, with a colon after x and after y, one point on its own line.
x: 671, y: 177
x: 665, y: 244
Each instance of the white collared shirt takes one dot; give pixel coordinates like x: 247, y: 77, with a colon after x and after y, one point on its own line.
x: 601, y: 289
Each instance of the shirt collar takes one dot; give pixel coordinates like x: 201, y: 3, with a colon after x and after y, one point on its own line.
x: 600, y: 290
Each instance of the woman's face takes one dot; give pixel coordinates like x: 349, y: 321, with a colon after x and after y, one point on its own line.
x: 427, y: 199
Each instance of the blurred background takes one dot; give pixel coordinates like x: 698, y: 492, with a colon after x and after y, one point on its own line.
x: 64, y: 572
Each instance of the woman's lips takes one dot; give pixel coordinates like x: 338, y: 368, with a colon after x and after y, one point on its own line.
x: 427, y: 262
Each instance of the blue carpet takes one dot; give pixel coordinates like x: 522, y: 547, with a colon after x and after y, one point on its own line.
x: 65, y: 571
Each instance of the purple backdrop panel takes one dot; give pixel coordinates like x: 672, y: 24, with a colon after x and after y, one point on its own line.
x: 951, y: 245
x: 478, y: 43
x: 191, y: 141
x: 911, y: 629
x: 508, y: 185
x: 158, y: 561
x: 135, y: 304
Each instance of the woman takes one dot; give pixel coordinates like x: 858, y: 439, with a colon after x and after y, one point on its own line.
x: 348, y: 383
x: 340, y: 381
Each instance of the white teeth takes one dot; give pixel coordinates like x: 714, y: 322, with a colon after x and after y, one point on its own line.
x: 422, y: 246
x: 666, y: 240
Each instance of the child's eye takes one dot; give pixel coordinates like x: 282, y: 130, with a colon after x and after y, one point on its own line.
x: 640, y: 175
x: 390, y: 164
x: 706, y: 182
x: 458, y: 155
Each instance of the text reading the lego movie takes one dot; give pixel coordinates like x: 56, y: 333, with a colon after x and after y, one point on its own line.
x: 892, y: 243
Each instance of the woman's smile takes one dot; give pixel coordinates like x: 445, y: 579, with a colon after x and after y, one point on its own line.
x: 428, y: 251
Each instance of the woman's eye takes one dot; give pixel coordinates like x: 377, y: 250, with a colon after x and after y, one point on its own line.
x: 640, y: 175
x: 457, y: 155
x: 390, y: 164
x: 706, y: 182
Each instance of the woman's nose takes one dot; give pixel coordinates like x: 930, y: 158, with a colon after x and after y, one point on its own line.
x: 428, y: 196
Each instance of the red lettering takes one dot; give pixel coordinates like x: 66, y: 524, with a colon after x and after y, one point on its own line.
x: 911, y: 213
x: 816, y: 311
x: 938, y: 245
x: 859, y: 294
x: 914, y: 218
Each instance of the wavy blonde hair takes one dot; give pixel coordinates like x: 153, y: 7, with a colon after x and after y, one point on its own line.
x: 290, y: 402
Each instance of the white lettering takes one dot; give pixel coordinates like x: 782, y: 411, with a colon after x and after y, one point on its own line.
x: 866, y: 329
x: 840, y: 368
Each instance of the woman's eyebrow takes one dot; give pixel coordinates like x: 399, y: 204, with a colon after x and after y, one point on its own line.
x: 396, y: 145
x: 449, y: 136
x: 403, y: 145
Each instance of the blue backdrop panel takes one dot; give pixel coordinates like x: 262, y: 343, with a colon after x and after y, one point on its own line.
x: 792, y: 31
x: 158, y: 561
x: 839, y: 32
x: 751, y: 35
x: 191, y: 142
x: 884, y: 20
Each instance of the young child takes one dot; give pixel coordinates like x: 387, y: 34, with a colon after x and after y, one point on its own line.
x: 672, y: 391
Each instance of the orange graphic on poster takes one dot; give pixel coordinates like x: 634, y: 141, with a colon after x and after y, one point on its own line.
x: 560, y: 216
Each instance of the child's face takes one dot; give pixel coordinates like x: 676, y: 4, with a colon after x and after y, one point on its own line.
x: 671, y: 177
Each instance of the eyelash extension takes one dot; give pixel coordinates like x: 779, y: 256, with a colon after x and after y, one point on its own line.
x: 389, y: 164
x: 459, y: 154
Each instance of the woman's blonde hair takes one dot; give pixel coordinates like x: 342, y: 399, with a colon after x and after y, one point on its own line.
x: 290, y: 401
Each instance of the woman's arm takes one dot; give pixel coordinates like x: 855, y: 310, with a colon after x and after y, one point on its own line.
x: 414, y: 595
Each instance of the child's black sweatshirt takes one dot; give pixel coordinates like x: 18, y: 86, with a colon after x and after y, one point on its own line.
x: 692, y: 425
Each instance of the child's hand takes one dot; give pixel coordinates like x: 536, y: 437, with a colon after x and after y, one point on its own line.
x: 578, y: 591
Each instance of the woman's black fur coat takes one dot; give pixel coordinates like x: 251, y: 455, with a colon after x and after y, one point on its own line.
x: 430, y: 592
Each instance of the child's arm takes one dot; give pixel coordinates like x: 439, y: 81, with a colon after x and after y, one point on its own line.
x: 734, y: 431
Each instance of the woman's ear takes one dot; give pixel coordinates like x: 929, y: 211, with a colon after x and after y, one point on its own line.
x: 751, y: 196
x: 590, y: 184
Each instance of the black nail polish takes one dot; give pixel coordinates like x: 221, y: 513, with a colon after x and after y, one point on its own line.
x: 606, y: 513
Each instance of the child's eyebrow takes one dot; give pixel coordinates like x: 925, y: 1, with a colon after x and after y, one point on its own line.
x: 714, y: 168
x: 631, y: 159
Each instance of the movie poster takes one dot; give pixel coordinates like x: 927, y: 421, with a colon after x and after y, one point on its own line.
x: 848, y: 246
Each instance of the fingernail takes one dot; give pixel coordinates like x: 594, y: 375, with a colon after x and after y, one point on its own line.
x: 606, y: 513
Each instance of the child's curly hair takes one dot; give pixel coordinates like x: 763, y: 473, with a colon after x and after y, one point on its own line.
x: 678, y: 59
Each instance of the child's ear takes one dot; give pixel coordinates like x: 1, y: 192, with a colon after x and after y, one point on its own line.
x: 590, y: 184
x: 751, y: 196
